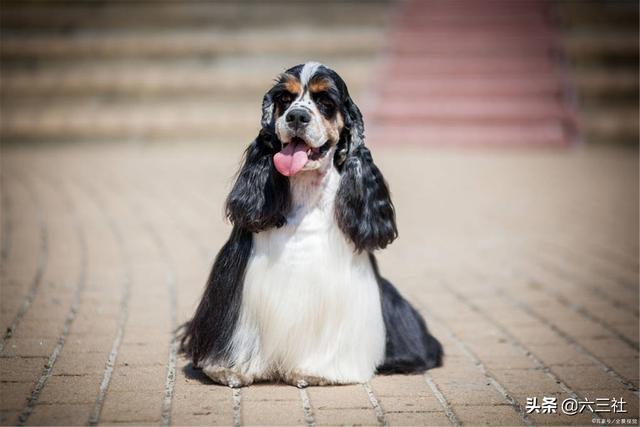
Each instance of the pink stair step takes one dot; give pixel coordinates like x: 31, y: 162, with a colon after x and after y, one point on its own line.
x: 472, y: 72
x: 548, y: 134
x: 446, y: 109
x: 416, y: 88
x: 408, y: 65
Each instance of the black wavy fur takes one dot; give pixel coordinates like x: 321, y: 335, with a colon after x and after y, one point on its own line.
x: 207, y: 334
x: 260, y: 200
x: 363, y: 206
x: 409, y: 345
x: 260, y: 196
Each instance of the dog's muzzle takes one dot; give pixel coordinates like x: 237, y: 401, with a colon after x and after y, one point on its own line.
x: 297, y: 154
x: 298, y: 118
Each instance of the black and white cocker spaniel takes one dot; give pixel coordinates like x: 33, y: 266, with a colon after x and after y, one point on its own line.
x: 295, y: 294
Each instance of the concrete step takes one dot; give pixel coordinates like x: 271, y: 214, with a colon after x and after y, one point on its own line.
x: 600, y: 40
x: 210, y: 120
x: 519, y: 86
x: 604, y: 49
x: 457, y: 66
x: 458, y: 133
x: 193, y: 43
x: 599, y: 16
x: 463, y: 109
x: 176, y: 70
x: 607, y: 86
x: 610, y: 125
x: 470, y: 10
x: 520, y: 48
x: 249, y: 77
x: 171, y: 116
x: 73, y: 17
x: 125, y: 120
x: 603, y: 80
x: 453, y: 38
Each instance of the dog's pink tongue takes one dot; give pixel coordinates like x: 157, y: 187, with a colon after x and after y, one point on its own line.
x: 291, y: 159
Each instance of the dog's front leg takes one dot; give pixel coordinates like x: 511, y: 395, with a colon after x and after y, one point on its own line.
x: 301, y: 380
x: 227, y: 376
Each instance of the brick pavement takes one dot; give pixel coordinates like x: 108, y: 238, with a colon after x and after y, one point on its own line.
x: 524, y: 264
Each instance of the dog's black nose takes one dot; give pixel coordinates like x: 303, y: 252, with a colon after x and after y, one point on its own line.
x: 298, y: 118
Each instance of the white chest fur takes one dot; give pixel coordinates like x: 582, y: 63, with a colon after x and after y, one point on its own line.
x: 311, y: 305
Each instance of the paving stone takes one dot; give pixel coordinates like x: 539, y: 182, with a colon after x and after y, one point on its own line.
x: 416, y: 418
x: 69, y: 364
x: 69, y: 389
x: 401, y: 386
x: 8, y: 416
x: 522, y: 381
x: 262, y: 392
x: 488, y: 415
x: 410, y: 403
x: 610, y: 347
x: 468, y: 393
x: 586, y: 377
x: 347, y: 417
x: 21, y: 369
x: 559, y: 355
x: 627, y: 367
x: 132, y: 378
x: 28, y: 347
x: 89, y: 345
x: 511, y: 361
x: 280, y: 412
x: 347, y: 396
x: 218, y: 416
x: 341, y: 405
x: 534, y: 334
x: 201, y: 404
x: 132, y: 405
x: 14, y: 395
x: 197, y: 401
x: 60, y: 414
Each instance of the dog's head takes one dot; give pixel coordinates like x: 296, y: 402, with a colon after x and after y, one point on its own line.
x: 311, y: 113
x: 308, y: 121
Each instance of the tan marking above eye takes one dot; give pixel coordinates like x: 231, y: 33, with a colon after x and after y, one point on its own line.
x: 291, y: 83
x: 319, y: 85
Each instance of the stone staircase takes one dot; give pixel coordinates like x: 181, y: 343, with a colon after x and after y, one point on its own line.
x: 81, y: 71
x: 459, y: 72
x: 474, y: 72
x: 600, y: 41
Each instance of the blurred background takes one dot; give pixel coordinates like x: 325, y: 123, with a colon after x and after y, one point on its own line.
x: 436, y: 72
x: 506, y: 129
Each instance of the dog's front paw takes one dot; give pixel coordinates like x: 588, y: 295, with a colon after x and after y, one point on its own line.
x: 226, y: 376
x: 302, y: 381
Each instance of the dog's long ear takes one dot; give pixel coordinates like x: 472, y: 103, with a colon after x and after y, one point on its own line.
x: 267, y: 121
x: 352, y: 134
x: 260, y: 197
x: 364, y: 210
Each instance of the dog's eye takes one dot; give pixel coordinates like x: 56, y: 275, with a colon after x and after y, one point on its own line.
x: 325, y: 103
x: 285, y: 99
